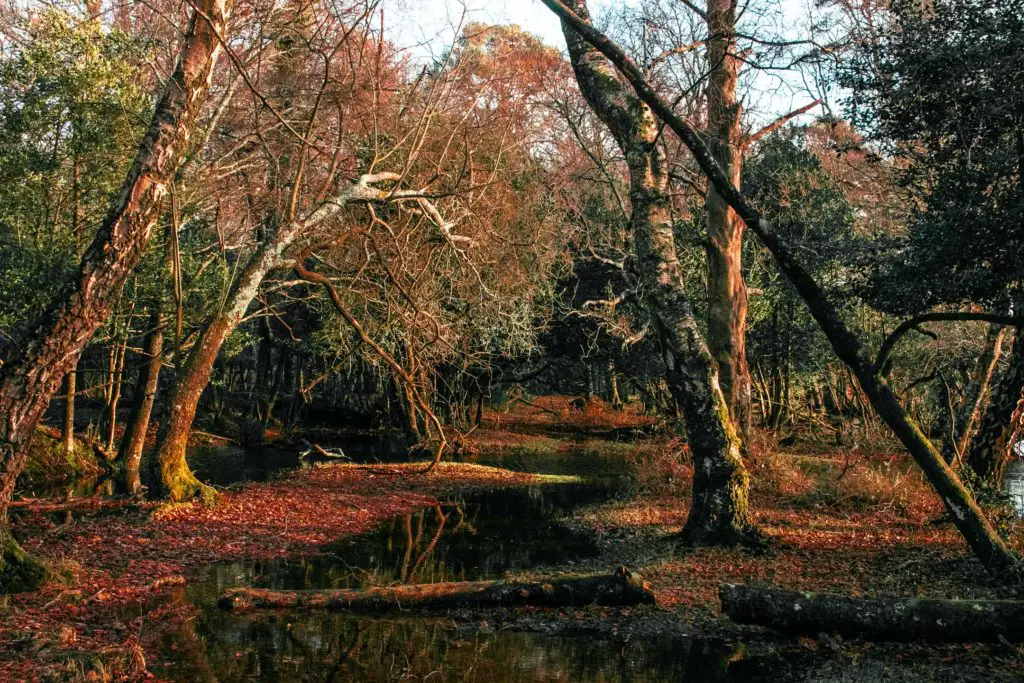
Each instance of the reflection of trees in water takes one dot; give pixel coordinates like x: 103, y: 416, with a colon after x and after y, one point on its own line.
x: 464, y: 539
x: 325, y: 646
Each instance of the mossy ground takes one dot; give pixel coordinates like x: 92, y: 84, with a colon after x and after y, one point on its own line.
x: 50, y: 465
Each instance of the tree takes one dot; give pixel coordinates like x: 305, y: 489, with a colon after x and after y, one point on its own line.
x: 33, y: 373
x: 459, y: 135
x: 720, y: 510
x: 969, y: 519
x: 727, y: 292
x: 937, y: 88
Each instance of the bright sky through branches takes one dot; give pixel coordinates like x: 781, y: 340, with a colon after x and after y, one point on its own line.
x: 427, y: 27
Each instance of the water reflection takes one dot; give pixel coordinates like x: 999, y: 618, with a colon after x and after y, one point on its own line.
x: 483, y: 535
x: 1013, y: 480
x: 336, y: 647
x: 477, y: 536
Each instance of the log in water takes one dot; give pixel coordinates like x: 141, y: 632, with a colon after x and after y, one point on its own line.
x: 619, y: 589
x: 895, y: 619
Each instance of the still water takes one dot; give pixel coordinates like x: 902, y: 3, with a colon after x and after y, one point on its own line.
x: 483, y: 535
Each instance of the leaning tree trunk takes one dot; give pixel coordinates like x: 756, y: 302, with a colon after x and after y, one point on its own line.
x: 178, y: 481
x: 176, y: 478
x: 984, y: 540
x: 727, y: 292
x: 719, y: 513
x: 991, y: 447
x: 143, y: 397
x: 29, y: 379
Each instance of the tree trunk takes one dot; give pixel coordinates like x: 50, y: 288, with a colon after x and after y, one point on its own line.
x: 992, y: 446
x: 176, y: 478
x: 974, y: 396
x: 985, y: 541
x: 613, y: 387
x: 143, y: 397
x: 619, y: 589
x: 719, y: 513
x: 116, y: 370
x: 895, y: 619
x: 69, y: 410
x: 727, y: 292
x: 30, y: 378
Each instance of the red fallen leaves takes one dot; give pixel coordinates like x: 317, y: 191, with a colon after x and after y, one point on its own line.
x: 120, y: 562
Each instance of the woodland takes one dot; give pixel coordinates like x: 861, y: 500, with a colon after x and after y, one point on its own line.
x: 687, y: 346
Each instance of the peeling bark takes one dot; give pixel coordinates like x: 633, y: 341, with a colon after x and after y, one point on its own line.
x: 719, y: 513
x: 33, y: 375
x: 727, y: 291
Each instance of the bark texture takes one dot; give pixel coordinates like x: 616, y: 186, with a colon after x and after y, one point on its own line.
x: 727, y: 291
x: 894, y: 619
x: 991, y: 448
x: 985, y: 541
x: 29, y: 379
x: 719, y: 513
x: 70, y: 386
x: 143, y: 397
x: 619, y: 589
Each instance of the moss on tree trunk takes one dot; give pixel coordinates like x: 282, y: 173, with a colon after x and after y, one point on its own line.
x: 719, y: 514
x: 19, y: 571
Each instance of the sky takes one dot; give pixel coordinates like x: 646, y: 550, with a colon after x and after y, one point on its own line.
x: 433, y: 21
x: 427, y: 26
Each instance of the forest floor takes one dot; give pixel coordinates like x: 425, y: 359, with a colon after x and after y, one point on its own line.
x: 107, y: 605
x: 863, y: 524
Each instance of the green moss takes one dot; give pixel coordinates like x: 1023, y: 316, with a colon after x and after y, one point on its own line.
x: 49, y: 464
x: 181, y: 485
x: 19, y: 571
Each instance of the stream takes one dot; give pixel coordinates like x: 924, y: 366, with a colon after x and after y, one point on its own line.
x: 479, y: 535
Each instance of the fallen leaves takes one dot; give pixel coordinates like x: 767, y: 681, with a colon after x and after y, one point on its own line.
x: 120, y: 561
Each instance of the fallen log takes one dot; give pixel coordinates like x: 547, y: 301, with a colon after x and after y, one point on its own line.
x: 91, y: 503
x: 893, y: 619
x: 619, y: 589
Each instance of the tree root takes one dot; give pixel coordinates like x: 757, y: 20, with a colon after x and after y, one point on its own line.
x: 182, y: 486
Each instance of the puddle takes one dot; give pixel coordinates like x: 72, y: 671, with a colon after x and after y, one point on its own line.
x: 480, y: 535
x: 483, y: 535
